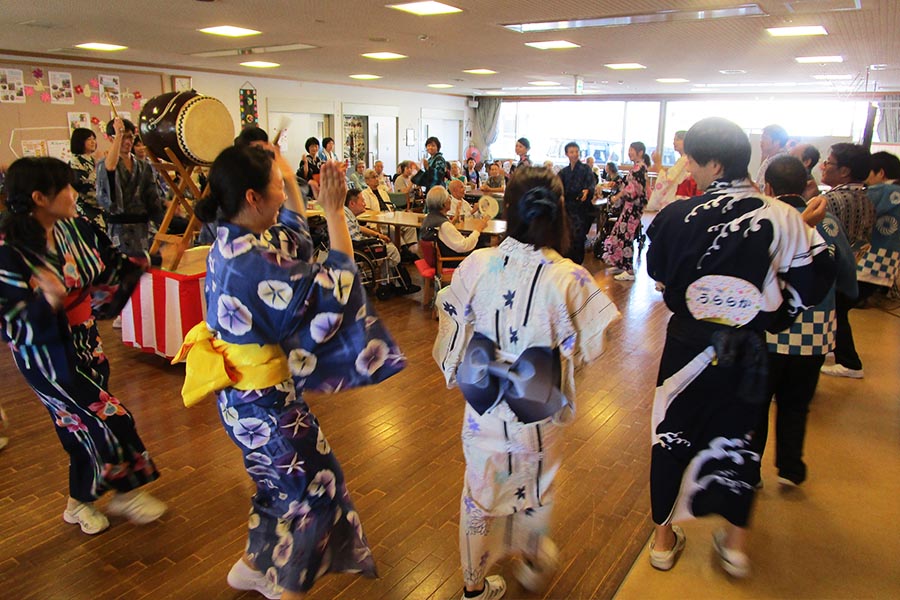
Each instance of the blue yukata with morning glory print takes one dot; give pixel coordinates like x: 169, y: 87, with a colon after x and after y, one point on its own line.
x: 519, y: 297
x: 265, y: 290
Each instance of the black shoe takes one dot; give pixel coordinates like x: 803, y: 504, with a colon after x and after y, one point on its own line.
x: 383, y: 292
x: 406, y: 291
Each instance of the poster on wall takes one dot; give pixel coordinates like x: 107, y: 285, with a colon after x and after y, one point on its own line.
x: 79, y: 119
x: 249, y: 106
x: 61, y: 89
x: 59, y: 149
x: 12, y: 86
x: 356, y: 132
x: 34, y: 148
x: 109, y: 84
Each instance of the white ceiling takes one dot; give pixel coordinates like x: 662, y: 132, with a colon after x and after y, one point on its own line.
x: 163, y: 34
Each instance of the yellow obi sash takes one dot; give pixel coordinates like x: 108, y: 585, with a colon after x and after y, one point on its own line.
x: 214, y: 365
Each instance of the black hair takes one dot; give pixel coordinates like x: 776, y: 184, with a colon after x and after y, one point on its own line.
x: 612, y: 167
x: 326, y: 140
x: 111, y: 128
x: 138, y: 140
x: 80, y: 135
x: 810, y: 153
x: 572, y: 145
x: 534, y: 209
x: 351, y: 194
x: 250, y: 134
x: 787, y: 175
x: 646, y: 160
x: 311, y: 142
x: 25, y: 176
x: 434, y: 140
x: 236, y: 170
x: 721, y: 140
x: 639, y: 147
x: 854, y: 157
x: 524, y: 141
x: 776, y: 133
x: 471, y: 158
x: 887, y: 162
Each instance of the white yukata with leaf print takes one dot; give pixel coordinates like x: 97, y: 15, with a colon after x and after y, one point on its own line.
x: 264, y: 290
x: 518, y: 297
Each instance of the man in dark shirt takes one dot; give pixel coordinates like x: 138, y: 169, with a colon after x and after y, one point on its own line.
x: 578, y: 182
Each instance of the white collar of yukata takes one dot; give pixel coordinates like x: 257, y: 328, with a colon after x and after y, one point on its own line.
x: 527, y: 253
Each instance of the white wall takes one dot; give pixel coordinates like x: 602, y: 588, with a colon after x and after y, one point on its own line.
x: 307, y: 97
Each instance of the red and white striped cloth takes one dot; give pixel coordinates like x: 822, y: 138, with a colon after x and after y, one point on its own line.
x: 162, y: 310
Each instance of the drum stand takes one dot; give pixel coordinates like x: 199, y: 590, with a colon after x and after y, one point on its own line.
x: 172, y: 247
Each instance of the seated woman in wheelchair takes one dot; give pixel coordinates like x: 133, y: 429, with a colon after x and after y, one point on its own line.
x: 437, y: 226
x: 355, y: 205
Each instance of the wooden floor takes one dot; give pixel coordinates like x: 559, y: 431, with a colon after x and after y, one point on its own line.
x: 399, y: 446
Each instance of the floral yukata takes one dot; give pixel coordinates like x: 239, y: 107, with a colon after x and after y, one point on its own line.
x: 264, y: 290
x: 734, y: 264
x: 62, y: 359
x: 618, y: 249
x: 518, y: 297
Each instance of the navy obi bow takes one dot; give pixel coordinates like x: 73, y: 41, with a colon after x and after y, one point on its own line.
x: 530, y: 385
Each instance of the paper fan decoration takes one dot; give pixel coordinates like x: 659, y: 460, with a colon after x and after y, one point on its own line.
x: 488, y: 206
x: 473, y: 152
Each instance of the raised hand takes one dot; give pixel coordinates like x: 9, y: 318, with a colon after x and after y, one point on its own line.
x: 332, y: 186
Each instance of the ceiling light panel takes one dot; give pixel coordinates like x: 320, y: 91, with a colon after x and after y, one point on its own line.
x: 440, y: 86
x: 662, y: 16
x: 384, y: 55
x: 672, y: 80
x: 260, y: 64
x: 543, y: 83
x: 426, y: 9
x: 101, y: 47
x: 552, y: 45
x: 797, y: 31
x: 624, y: 66
x: 229, y: 31
x: 818, y: 60
x: 480, y: 72
x: 365, y: 76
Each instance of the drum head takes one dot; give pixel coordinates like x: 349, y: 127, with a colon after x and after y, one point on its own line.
x: 205, y: 129
x: 488, y: 206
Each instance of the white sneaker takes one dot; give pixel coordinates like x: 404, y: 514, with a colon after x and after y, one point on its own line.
x: 243, y: 577
x: 535, y: 575
x: 494, y: 588
x: 665, y: 559
x: 734, y: 562
x: 117, y: 322
x: 624, y: 276
x: 86, y: 515
x: 837, y: 370
x: 138, y: 507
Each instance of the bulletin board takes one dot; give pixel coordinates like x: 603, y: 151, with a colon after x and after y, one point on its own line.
x: 40, y: 103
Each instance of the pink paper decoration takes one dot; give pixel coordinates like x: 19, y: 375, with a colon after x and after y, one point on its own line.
x: 45, y: 97
x: 95, y: 99
x: 136, y: 105
x: 29, y: 90
x: 94, y: 83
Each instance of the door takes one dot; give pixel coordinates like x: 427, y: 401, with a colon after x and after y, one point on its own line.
x: 383, y: 142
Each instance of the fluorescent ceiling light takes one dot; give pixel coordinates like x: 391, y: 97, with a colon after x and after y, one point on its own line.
x: 552, y: 45
x: 365, y: 76
x: 254, y: 50
x: 662, y: 16
x: 384, y: 55
x: 624, y: 66
x: 440, y: 86
x: 672, y: 80
x: 819, y: 59
x: 260, y: 64
x: 833, y: 77
x: 495, y: 92
x: 426, y: 9
x: 543, y: 83
x: 480, y: 71
x: 101, y: 46
x: 878, y: 67
x: 229, y: 31
x: 796, y: 31
x: 733, y: 72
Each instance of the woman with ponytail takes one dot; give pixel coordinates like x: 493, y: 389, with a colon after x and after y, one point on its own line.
x: 59, y: 273
x: 515, y: 323
x: 280, y: 324
x: 632, y: 197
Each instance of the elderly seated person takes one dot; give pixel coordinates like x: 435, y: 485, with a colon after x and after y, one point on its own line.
x: 354, y: 206
x: 356, y: 179
x: 437, y: 227
x: 496, y: 182
x: 460, y: 209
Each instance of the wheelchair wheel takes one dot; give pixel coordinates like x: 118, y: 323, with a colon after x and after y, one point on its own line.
x: 368, y: 276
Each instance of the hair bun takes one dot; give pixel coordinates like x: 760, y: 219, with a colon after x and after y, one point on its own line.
x: 538, y: 202
x: 20, y: 203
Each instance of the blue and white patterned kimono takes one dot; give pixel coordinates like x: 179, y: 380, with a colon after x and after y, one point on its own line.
x: 264, y: 290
